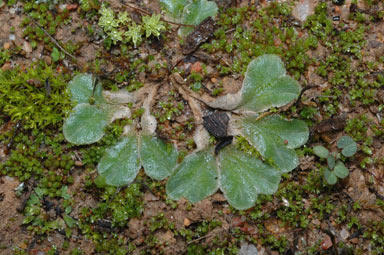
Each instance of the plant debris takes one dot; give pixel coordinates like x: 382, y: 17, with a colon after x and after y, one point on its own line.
x: 198, y: 36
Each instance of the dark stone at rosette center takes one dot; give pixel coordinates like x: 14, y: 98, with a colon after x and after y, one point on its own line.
x: 216, y: 124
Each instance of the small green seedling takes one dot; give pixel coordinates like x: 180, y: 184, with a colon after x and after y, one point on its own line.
x: 336, y: 168
x: 121, y: 28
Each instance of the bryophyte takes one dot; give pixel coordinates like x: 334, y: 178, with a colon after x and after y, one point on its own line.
x: 123, y: 29
x: 239, y: 175
x: 336, y: 168
x: 24, y: 97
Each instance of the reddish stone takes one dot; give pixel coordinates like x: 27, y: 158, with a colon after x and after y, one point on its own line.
x: 196, y: 67
x: 326, y: 243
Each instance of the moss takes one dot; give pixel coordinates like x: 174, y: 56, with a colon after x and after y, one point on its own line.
x: 46, y: 151
x: 104, y: 223
x: 39, y: 209
x: 195, y: 249
x: 46, y: 17
x: 357, y: 128
x: 118, y: 206
x: 375, y: 235
x: 159, y: 222
x: 243, y: 145
x: 89, y: 5
x: 5, y: 56
x: 276, y: 243
x: 37, y: 96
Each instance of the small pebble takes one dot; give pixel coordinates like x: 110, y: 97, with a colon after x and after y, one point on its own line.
x: 248, y: 249
x: 47, y: 60
x: 27, y: 47
x: 62, y: 7
x: 316, y: 222
x: 6, y: 66
x: 6, y: 46
x: 374, y: 109
x: 78, y: 163
x: 226, y: 211
x: 336, y: 18
x: 238, y: 221
x: 196, y: 67
x: 344, y: 234
x: 326, y: 243
x: 210, y: 70
x: 187, y: 222
x: 72, y: 7
x: 303, y: 9
x: 12, y: 10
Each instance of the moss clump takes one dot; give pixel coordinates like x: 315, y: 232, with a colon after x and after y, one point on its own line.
x: 46, y: 16
x: 104, y: 223
x: 118, y: 206
x: 46, y: 151
x: 37, y: 96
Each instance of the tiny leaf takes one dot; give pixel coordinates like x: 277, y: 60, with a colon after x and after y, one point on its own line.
x: 86, y: 124
x: 152, y: 25
x: 158, y: 158
x: 56, y: 55
x: 120, y: 163
x: 340, y: 170
x: 69, y: 221
x: 243, y: 177
x: 321, y: 151
x: 331, y: 161
x: 81, y: 88
x: 195, y: 12
x: 266, y: 85
x: 330, y: 176
x: 348, y: 145
x: 195, y: 178
x: 275, y: 139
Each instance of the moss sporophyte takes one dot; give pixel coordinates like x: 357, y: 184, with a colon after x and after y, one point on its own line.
x: 240, y: 176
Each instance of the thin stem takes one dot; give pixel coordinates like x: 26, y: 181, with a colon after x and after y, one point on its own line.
x: 200, y: 238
